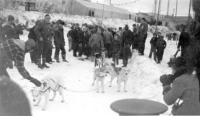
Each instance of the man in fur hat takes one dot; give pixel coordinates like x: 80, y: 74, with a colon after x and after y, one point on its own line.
x: 14, y: 50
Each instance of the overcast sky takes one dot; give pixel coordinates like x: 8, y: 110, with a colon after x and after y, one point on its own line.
x: 147, y: 6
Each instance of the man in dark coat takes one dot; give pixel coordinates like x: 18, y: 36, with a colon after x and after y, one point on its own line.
x: 126, y: 43
x: 87, y: 35
x: 183, y: 42
x: 9, y: 31
x: 14, y: 50
x: 160, y: 46
x: 96, y: 43
x: 116, y: 47
x: 59, y: 41
x: 143, y: 35
x: 81, y: 43
x: 75, y: 37
x: 43, y: 32
x: 108, y: 38
x: 134, y: 42
x: 153, y: 46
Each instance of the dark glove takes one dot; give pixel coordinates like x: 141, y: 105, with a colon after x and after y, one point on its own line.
x: 166, y: 80
x: 35, y: 81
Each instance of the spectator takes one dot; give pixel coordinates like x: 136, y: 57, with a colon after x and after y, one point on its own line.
x: 126, y: 43
x: 108, y: 38
x: 75, y: 40
x: 160, y: 47
x: 50, y: 45
x: 143, y: 35
x: 32, y: 35
x: 14, y: 50
x: 153, y: 42
x: 59, y: 41
x: 43, y: 32
x: 87, y: 35
x: 181, y: 85
x: 134, y: 41
x: 9, y: 30
x: 69, y: 36
x: 96, y: 43
x: 116, y: 44
x: 183, y: 41
x: 81, y: 43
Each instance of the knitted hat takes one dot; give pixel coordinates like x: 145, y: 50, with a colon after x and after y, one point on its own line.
x: 11, y: 18
x: 60, y: 22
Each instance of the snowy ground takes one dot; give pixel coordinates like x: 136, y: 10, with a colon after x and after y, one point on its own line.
x: 82, y: 99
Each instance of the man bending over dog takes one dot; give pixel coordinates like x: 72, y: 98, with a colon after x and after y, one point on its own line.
x: 14, y: 50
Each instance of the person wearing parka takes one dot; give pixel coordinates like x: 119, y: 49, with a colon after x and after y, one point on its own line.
x: 43, y: 31
x: 108, y: 39
x: 59, y: 41
x: 116, y: 47
x: 181, y: 85
x: 153, y: 46
x: 96, y: 42
x: 126, y: 43
x: 160, y: 47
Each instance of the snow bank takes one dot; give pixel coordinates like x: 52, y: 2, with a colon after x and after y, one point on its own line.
x: 144, y: 78
x: 32, y: 16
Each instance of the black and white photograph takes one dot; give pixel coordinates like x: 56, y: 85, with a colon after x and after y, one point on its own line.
x: 99, y: 57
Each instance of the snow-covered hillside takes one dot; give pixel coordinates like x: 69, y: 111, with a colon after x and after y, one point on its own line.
x: 81, y: 97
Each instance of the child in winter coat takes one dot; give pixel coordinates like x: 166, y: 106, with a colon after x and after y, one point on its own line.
x: 153, y: 46
x: 116, y: 48
x: 160, y: 47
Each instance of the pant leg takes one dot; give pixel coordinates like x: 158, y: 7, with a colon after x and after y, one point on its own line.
x: 75, y: 49
x: 40, y: 49
x: 154, y: 53
x: 63, y: 51
x: 57, y: 51
x: 151, y: 51
x: 161, y: 53
x: 144, y: 41
x: 80, y: 51
x: 126, y: 55
x: 45, y: 49
x: 48, y: 51
x: 108, y: 47
x: 70, y: 43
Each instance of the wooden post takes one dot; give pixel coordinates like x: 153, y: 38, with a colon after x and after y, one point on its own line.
x: 176, y: 10
x: 158, y: 16
x: 102, y: 14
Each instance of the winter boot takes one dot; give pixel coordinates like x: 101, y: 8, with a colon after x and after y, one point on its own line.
x: 64, y: 58
x: 80, y: 58
x: 44, y: 63
x: 57, y: 59
x: 39, y: 64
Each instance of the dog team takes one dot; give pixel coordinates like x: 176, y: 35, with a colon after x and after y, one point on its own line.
x: 57, y: 83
